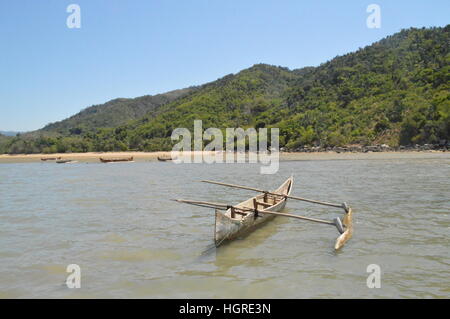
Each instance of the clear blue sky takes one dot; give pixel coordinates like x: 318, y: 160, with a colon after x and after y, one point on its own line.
x: 137, y: 47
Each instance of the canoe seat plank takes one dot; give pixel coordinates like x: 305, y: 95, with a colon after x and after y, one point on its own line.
x: 263, y: 204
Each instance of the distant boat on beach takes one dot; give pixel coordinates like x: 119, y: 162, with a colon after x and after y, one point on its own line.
x: 65, y: 161
x: 164, y: 159
x: 50, y: 158
x: 115, y: 160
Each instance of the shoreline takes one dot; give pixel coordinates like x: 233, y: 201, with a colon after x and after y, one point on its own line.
x: 94, y: 157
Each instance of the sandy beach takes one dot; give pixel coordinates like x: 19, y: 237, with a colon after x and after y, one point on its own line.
x: 153, y: 156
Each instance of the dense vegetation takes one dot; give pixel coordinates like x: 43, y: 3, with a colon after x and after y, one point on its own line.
x: 4, y: 143
x: 395, y: 91
x: 111, y: 114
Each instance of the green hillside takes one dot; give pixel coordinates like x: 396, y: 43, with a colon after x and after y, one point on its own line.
x: 111, y: 114
x: 395, y: 91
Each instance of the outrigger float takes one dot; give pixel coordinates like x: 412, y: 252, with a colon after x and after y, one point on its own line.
x: 247, y: 215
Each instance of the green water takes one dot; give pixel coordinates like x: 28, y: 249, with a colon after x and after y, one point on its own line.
x: 116, y: 221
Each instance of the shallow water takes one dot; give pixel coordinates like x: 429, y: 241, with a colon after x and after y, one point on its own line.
x: 116, y: 221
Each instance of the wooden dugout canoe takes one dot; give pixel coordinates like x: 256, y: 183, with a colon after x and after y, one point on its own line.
x: 64, y: 161
x: 50, y: 158
x: 235, y: 222
x: 115, y: 160
x: 164, y: 159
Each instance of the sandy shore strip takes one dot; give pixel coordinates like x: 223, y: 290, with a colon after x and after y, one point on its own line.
x: 94, y: 157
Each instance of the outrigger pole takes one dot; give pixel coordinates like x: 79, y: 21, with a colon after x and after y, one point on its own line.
x: 346, y: 233
x: 343, y: 205
x: 225, y: 206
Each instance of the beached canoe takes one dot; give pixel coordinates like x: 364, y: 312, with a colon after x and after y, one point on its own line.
x: 65, y: 161
x: 164, y: 159
x: 114, y: 160
x: 242, y: 218
x: 50, y: 158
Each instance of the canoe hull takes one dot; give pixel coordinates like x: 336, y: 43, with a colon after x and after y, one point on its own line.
x: 64, y: 161
x: 227, y: 228
x: 116, y: 160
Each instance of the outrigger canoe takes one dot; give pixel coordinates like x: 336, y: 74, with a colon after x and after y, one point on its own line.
x: 239, y: 220
x: 247, y: 215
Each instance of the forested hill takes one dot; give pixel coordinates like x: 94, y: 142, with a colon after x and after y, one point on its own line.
x: 113, y: 113
x: 395, y: 91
